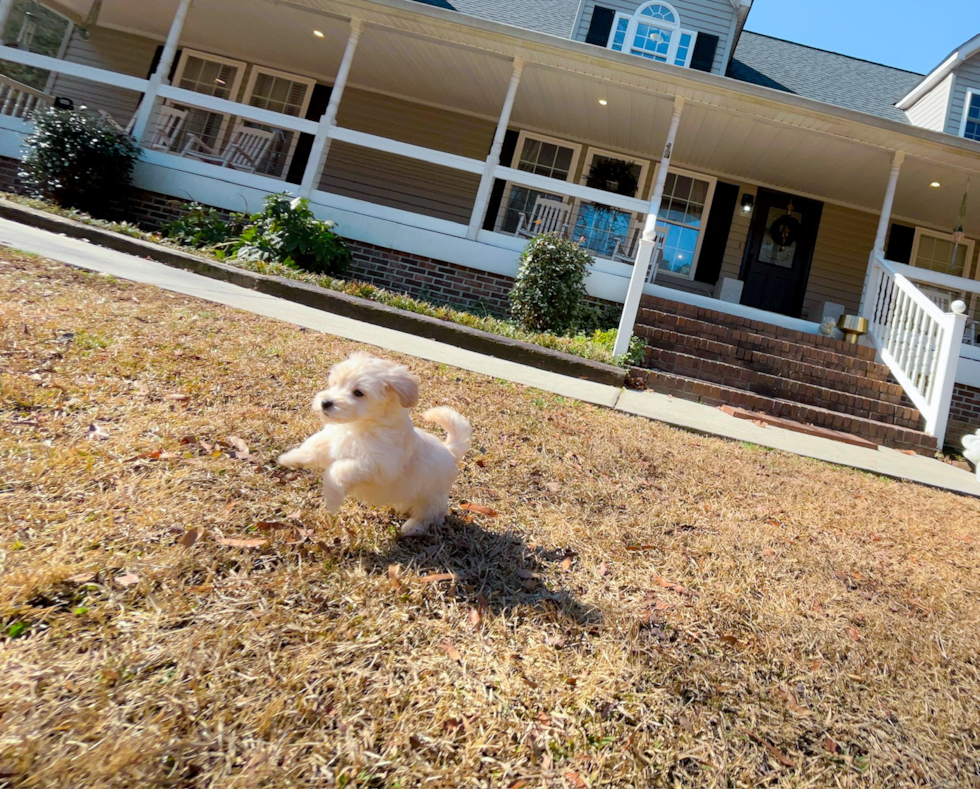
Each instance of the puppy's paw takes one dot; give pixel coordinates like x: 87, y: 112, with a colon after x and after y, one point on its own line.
x: 414, y: 527
x: 292, y: 459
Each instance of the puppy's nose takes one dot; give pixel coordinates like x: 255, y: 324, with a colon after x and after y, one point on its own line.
x: 326, y: 405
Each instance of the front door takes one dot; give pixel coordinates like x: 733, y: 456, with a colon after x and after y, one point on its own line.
x: 778, y: 253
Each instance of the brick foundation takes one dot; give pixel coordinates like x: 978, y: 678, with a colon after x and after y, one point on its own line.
x: 964, y: 414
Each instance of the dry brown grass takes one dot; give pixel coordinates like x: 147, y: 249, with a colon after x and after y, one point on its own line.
x: 647, y: 607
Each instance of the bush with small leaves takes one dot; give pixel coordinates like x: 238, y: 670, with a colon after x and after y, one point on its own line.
x: 78, y: 161
x: 286, y: 231
x: 549, y: 292
x: 203, y: 227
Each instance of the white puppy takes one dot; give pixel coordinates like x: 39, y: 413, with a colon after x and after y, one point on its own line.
x: 369, y: 448
x: 971, y: 451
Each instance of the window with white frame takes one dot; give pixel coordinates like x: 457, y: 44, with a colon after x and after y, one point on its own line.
x: 683, y: 212
x: 212, y: 76
x: 288, y: 94
x: 938, y: 252
x: 653, y: 32
x: 971, y: 116
x: 609, y: 232
x: 547, y: 156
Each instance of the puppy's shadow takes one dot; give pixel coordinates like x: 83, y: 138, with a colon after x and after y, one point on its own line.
x: 493, y: 572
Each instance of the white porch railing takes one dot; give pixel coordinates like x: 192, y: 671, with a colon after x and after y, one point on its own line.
x: 918, y: 341
x: 20, y: 101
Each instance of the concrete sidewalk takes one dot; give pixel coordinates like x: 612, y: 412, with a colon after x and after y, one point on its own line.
x: 679, y: 413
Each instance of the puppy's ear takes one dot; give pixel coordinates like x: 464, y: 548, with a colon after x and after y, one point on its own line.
x: 404, y: 384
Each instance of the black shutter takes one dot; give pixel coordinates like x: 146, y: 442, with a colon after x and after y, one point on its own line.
x: 156, y: 62
x: 301, y: 156
x: 900, y: 239
x: 497, y: 193
x: 600, y: 27
x: 716, y: 233
x: 704, y: 52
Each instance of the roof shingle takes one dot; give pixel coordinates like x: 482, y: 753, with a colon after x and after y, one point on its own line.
x: 555, y: 17
x: 825, y: 76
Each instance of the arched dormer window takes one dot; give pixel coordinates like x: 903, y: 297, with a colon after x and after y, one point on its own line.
x: 653, y: 32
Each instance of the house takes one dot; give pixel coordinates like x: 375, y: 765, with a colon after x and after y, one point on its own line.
x: 735, y: 189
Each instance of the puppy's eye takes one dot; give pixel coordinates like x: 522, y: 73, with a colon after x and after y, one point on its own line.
x: 358, y: 393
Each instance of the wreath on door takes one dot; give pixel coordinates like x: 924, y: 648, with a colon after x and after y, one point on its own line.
x: 784, y: 231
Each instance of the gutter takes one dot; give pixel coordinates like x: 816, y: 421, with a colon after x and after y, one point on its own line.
x: 939, y: 73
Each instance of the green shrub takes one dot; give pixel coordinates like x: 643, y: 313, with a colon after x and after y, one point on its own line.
x: 549, y: 291
x: 286, y: 231
x: 202, y: 227
x: 78, y: 161
x: 607, y: 339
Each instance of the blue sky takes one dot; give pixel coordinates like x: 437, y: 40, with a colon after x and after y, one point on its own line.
x: 901, y: 33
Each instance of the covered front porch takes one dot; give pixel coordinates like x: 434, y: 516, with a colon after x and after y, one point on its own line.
x: 453, y: 139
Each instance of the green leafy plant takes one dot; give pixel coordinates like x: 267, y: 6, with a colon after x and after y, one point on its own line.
x: 607, y: 339
x: 286, y: 231
x: 78, y: 160
x: 203, y: 227
x: 613, y: 175
x: 549, y: 291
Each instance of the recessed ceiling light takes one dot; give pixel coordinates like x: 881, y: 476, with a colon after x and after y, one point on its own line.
x: 935, y: 184
x: 318, y: 33
x: 603, y: 102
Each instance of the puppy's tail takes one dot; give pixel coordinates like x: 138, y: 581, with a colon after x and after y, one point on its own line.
x: 459, y: 432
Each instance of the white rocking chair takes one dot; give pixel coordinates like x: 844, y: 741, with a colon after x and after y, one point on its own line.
x: 943, y: 299
x: 167, y: 128
x: 548, y: 216
x: 245, y: 151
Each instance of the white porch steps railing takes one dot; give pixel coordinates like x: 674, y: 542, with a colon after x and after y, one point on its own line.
x: 19, y: 100
x: 917, y: 340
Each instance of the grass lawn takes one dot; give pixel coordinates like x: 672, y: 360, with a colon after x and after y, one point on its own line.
x: 618, y: 603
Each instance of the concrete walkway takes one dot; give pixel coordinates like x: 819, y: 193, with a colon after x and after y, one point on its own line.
x: 679, y: 413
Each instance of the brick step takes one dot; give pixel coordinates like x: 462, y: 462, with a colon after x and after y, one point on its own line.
x: 737, y: 377
x: 761, y: 328
x: 827, y: 356
x: 803, y: 371
x: 716, y: 395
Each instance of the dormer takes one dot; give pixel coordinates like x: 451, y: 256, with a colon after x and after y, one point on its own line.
x: 698, y: 34
x: 948, y: 98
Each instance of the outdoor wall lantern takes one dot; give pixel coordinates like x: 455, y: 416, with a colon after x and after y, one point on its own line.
x: 747, y: 202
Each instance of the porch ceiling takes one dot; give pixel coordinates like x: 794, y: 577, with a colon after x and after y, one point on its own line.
x: 443, y: 58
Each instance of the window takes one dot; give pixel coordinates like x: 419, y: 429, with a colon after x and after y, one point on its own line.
x: 606, y: 231
x: 278, y: 92
x: 545, y: 156
x: 683, y: 213
x: 970, y: 128
x: 934, y: 251
x: 653, y: 32
x: 212, y: 76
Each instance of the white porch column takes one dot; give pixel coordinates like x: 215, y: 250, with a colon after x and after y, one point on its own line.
x: 493, y: 158
x: 644, y: 254
x: 5, y: 6
x: 883, y: 221
x: 321, y: 143
x: 160, y: 76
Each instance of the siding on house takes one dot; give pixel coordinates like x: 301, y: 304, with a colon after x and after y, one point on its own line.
x: 704, y: 16
x: 399, y: 182
x: 114, y: 51
x: 966, y: 77
x: 840, y: 259
x: 738, y: 236
x: 929, y: 112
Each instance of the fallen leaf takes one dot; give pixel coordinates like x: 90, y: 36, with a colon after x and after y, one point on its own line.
x: 790, y: 698
x: 730, y: 640
x: 450, y: 650
x: 176, y: 397
x: 769, y: 552
x: 759, y: 423
x: 778, y: 755
x: 271, y: 526
x: 575, y: 780
x: 82, y: 578
x: 911, y: 452
x: 128, y: 579
x: 189, y: 537
x: 603, y: 568
x: 481, y: 462
x: 571, y: 681
x: 674, y: 587
x: 466, y: 505
x: 238, y: 444
x: 474, y: 617
x: 520, y: 783
x: 296, y: 515
x: 434, y: 577
x: 686, y: 723
x: 234, y: 543
x: 552, y: 487
x: 526, y: 574
x: 566, y: 564
x: 829, y: 745
x: 97, y: 432
x: 855, y: 634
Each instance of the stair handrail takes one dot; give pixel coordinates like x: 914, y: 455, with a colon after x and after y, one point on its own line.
x: 916, y: 340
